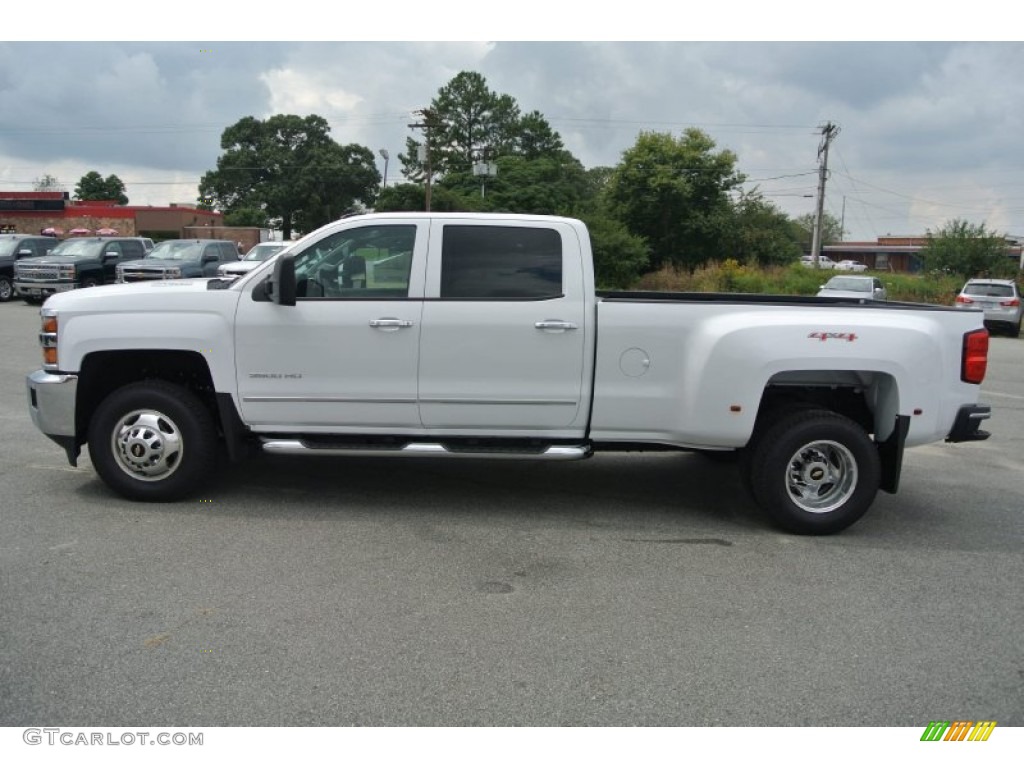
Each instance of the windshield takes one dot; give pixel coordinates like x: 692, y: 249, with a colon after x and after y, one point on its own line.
x: 177, y: 250
x: 77, y: 249
x: 848, y: 284
x: 263, y: 251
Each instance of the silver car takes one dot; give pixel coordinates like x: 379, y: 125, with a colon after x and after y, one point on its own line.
x: 256, y: 255
x: 854, y: 287
x: 1001, y: 300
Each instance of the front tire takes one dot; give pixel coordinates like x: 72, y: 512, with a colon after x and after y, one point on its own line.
x: 6, y: 288
x: 153, y: 441
x: 815, y: 472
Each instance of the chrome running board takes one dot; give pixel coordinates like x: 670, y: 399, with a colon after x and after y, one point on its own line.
x: 454, y: 451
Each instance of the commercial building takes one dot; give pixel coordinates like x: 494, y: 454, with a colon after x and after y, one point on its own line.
x: 55, y: 213
x: 898, y: 254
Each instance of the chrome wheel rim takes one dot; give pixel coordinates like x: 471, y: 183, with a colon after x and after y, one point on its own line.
x: 821, y: 476
x: 6, y: 289
x: 147, y: 445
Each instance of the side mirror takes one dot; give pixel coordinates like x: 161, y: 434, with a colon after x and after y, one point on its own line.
x: 24, y: 252
x: 281, y: 288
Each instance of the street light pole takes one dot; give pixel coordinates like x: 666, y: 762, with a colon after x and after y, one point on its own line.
x: 387, y: 156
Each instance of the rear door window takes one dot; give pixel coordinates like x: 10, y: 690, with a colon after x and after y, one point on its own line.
x: 493, y: 262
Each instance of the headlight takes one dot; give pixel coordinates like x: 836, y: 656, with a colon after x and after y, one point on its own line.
x: 173, y: 272
x: 66, y: 271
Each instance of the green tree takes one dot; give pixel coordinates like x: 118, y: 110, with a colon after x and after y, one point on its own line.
x: 551, y: 185
x: 412, y: 197
x: 968, y: 250
x: 619, y: 256
x: 534, y: 138
x: 291, y: 169
x: 246, y: 217
x: 761, y: 233
x: 675, y: 194
x: 831, y: 230
x: 465, y: 119
x: 92, y: 186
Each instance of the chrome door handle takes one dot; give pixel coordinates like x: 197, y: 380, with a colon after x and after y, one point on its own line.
x: 555, y: 325
x: 390, y: 322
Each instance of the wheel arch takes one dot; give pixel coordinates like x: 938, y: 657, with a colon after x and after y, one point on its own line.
x: 868, y: 398
x: 104, y: 372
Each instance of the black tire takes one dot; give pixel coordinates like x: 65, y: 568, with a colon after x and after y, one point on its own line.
x: 6, y: 288
x: 153, y: 441
x: 90, y: 282
x: 814, y: 471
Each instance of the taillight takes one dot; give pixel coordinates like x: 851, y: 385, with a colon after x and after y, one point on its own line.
x: 1010, y: 303
x: 963, y: 300
x: 975, y: 357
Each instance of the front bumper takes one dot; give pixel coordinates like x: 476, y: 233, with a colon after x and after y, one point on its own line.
x: 51, y: 404
x: 965, y: 427
x: 32, y: 289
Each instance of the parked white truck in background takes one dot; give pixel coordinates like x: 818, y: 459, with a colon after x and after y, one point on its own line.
x: 465, y: 335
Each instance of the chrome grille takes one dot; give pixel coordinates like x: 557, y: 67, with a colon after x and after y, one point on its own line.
x: 37, y: 273
x: 138, y: 275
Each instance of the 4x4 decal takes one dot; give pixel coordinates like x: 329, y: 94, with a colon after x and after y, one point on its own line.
x: 826, y: 335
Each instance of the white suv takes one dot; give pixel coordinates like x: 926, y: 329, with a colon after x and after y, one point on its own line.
x: 1001, y: 300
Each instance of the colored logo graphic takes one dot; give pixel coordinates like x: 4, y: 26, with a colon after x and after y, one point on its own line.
x: 958, y: 730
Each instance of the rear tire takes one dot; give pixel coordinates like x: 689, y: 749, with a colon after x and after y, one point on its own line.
x: 153, y: 441
x: 6, y: 288
x: 814, y: 472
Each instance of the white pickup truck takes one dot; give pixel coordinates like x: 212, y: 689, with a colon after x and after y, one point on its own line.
x: 467, y: 335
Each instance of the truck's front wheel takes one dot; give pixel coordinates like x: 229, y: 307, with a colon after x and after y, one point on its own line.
x: 815, y: 472
x: 152, y: 441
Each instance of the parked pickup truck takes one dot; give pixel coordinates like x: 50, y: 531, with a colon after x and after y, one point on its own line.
x: 172, y: 259
x: 81, y: 262
x: 469, y: 335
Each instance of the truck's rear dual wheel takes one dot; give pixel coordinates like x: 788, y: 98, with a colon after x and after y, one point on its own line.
x: 814, y: 471
x: 153, y: 441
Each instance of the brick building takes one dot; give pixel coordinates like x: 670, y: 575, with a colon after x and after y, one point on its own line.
x: 36, y: 212
x: 897, y: 254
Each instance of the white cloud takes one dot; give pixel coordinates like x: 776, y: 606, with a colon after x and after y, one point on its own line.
x: 293, y: 92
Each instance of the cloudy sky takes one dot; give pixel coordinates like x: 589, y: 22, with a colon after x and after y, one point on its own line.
x: 929, y: 130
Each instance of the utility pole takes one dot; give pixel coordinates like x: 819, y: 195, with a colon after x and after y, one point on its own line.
x: 429, y: 122
x: 828, y: 132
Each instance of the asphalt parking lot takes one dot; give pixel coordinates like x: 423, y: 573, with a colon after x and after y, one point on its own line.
x: 625, y: 590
